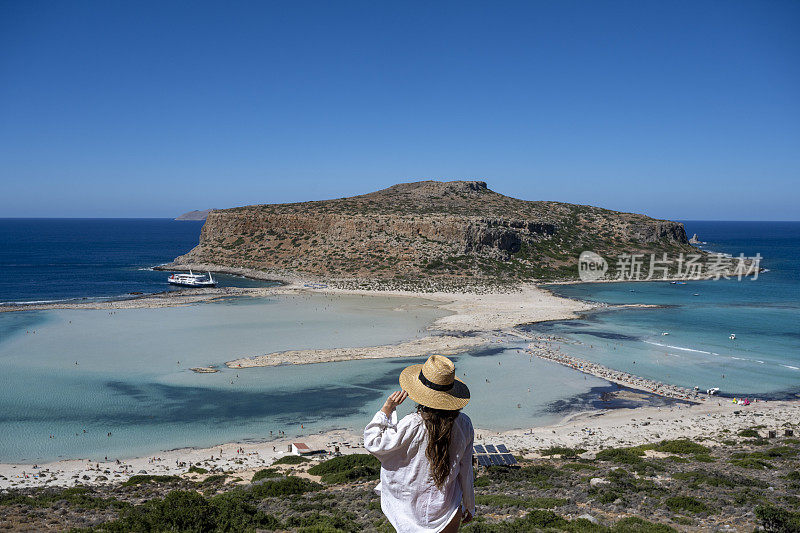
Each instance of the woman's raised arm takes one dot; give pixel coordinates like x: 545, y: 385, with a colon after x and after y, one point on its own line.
x: 383, y: 434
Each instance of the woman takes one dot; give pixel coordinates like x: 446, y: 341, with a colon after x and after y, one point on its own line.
x: 426, y: 458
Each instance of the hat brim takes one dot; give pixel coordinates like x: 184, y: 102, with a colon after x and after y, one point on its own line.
x: 451, y: 400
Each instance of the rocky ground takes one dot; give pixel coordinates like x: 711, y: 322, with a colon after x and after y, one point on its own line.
x: 726, y: 482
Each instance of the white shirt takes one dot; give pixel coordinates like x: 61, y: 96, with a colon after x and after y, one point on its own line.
x: 409, y: 498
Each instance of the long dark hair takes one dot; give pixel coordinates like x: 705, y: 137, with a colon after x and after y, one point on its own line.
x: 439, y: 424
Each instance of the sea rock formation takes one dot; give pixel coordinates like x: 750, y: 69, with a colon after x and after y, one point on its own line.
x: 456, y: 229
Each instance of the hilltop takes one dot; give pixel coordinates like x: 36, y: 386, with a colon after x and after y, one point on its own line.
x: 427, y: 229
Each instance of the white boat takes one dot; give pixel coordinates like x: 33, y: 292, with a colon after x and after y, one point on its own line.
x: 192, y: 280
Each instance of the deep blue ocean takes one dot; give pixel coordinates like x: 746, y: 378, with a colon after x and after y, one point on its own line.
x: 62, y: 259
x: 687, y: 341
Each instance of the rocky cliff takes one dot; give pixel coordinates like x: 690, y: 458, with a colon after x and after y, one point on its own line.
x: 451, y: 229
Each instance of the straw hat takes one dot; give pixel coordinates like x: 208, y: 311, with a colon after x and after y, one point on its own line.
x: 434, y: 384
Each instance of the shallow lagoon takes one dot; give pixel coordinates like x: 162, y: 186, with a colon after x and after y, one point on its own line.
x: 699, y: 317
x: 132, y: 376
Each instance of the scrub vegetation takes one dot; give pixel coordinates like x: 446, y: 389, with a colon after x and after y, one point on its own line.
x: 641, y: 489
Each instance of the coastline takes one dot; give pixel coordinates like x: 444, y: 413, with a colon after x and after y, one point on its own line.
x: 592, y: 431
x: 151, y: 301
x: 540, y: 347
x: 473, y: 316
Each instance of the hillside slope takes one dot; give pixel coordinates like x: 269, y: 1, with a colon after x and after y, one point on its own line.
x: 456, y: 229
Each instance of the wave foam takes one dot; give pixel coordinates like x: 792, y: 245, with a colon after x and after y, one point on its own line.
x: 680, y: 348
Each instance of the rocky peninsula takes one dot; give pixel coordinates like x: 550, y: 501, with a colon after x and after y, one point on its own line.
x: 459, y: 230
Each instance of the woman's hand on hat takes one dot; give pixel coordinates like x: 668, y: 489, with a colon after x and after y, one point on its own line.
x: 394, y: 399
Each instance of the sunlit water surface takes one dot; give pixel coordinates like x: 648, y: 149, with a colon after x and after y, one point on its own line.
x: 78, y: 375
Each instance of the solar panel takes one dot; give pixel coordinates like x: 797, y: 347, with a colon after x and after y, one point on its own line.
x: 490, y: 449
x: 483, y: 460
x: 502, y: 448
x: 496, y: 460
x: 508, y: 459
x: 479, y: 448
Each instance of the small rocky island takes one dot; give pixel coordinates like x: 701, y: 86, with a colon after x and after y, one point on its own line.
x: 195, y: 215
x: 428, y: 229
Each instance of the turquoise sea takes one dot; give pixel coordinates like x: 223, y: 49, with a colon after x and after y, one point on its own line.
x: 71, y: 377
x: 699, y: 317
x: 68, y: 378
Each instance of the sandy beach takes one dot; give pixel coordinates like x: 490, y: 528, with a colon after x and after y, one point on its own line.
x: 469, y: 316
x: 710, y: 422
x: 441, y: 344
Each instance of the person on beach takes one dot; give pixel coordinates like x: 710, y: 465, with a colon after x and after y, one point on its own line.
x: 426, y: 458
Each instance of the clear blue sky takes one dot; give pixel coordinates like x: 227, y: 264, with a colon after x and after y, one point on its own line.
x: 681, y: 110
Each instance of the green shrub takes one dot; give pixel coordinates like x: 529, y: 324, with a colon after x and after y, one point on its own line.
x: 678, y: 504
x: 543, y: 519
x: 777, y: 520
x: 607, y: 496
x: 623, y: 481
x: 234, y: 512
x: 180, y: 510
x: 80, y: 497
x: 292, y: 460
x: 338, y: 522
x: 540, y: 520
x: 680, y: 446
x: 502, y: 500
x: 563, y: 451
x: 265, y: 473
x: 633, y: 524
x: 541, y: 475
x: 283, y: 487
x: 482, y: 481
x: 347, y: 468
x: 750, y: 462
x: 761, y: 459
x: 188, y: 511
x: 748, y: 433
x: 145, y: 478
x: 621, y: 455
x: 697, y: 477
x: 781, y: 451
x: 194, y: 469
x: 210, y: 480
